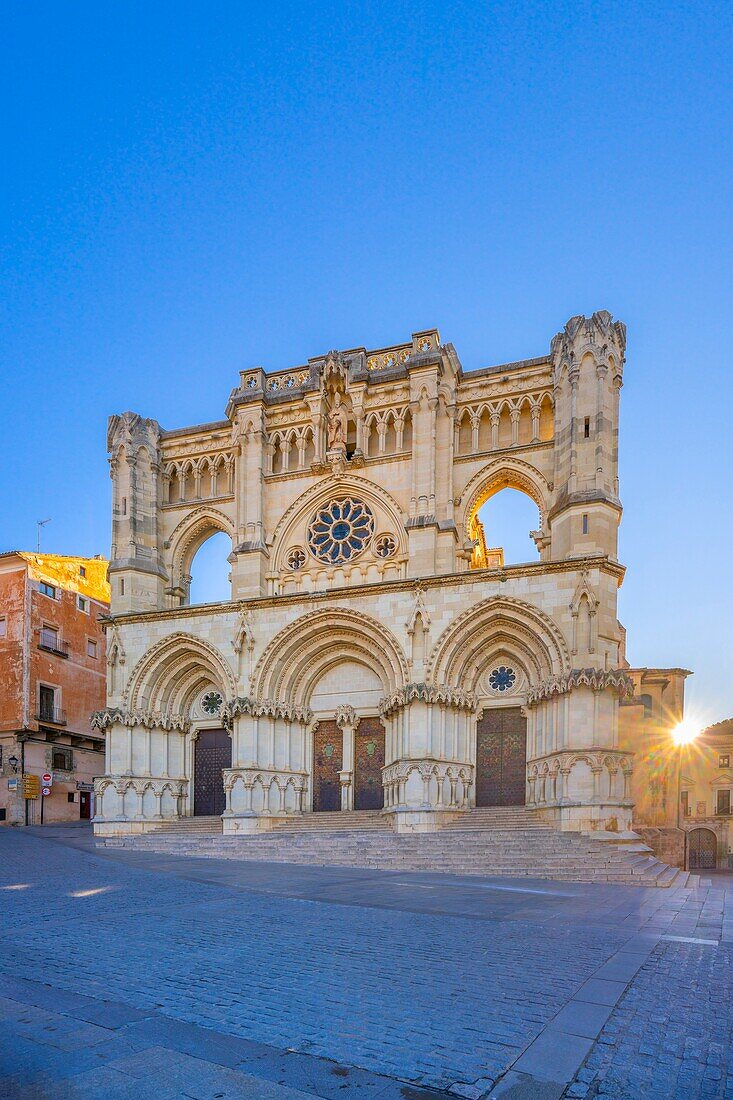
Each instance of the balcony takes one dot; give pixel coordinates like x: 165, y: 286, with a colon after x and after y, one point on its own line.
x: 55, y: 716
x: 48, y: 641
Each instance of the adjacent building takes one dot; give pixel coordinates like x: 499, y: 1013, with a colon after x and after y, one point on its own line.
x: 52, y: 678
x: 376, y: 652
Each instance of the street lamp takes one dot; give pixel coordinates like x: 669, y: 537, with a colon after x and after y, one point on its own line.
x: 13, y: 761
x: 683, y: 735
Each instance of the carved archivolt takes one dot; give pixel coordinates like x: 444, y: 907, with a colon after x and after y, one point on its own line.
x: 302, y: 652
x: 596, y: 679
x: 190, y: 533
x: 167, y: 675
x: 505, y: 473
x: 498, y: 625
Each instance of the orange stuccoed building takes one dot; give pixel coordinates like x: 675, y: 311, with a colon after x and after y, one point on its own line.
x: 52, y: 678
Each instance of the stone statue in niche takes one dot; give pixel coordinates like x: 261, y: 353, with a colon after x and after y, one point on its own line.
x: 337, y: 425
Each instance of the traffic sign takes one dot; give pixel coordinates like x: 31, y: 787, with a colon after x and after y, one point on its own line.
x: 45, y: 791
x: 31, y: 786
x: 47, y: 779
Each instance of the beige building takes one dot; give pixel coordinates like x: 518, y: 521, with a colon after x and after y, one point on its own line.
x: 375, y: 652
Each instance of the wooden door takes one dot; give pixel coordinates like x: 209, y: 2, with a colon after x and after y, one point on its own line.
x: 368, y: 764
x: 328, y: 761
x: 501, y: 757
x: 85, y: 805
x: 212, y: 754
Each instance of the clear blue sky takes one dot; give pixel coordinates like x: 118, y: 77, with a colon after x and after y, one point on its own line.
x: 191, y: 188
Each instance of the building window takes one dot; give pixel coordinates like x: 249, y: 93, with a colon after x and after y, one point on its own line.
x: 62, y: 760
x: 49, y: 639
x: 70, y: 796
x: 685, y: 802
x: 91, y: 648
x: 122, y: 587
x: 585, y: 524
x: 648, y: 708
x: 3, y: 627
x: 46, y: 703
x: 586, y: 427
x: 83, y: 604
x: 723, y: 802
x: 48, y: 589
x: 724, y: 760
x: 82, y: 570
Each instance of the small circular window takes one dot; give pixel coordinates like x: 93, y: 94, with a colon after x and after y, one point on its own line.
x: 502, y: 678
x: 340, y: 530
x: 296, y: 559
x: 211, y: 703
x: 385, y: 546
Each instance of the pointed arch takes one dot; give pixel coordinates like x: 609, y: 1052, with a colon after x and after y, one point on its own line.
x: 300, y: 654
x: 504, y: 624
x: 169, y: 675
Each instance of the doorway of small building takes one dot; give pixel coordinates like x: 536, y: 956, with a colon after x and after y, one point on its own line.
x: 369, y: 746
x: 212, y: 753
x: 328, y: 761
x: 501, y: 757
x: 702, y: 850
x: 85, y: 806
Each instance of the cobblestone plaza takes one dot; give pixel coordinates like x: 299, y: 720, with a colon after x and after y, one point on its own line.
x: 214, y: 978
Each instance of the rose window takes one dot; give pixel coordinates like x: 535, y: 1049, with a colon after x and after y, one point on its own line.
x: 340, y: 530
x: 296, y: 559
x: 385, y: 546
x: 211, y: 702
x: 502, y: 678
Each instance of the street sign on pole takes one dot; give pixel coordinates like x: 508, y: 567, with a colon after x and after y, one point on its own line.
x: 47, y: 779
x: 45, y: 791
x: 31, y: 786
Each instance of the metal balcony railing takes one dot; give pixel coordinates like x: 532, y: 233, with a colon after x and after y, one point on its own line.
x: 55, y: 715
x: 49, y: 641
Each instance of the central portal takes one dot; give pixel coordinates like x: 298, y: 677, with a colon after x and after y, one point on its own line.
x: 328, y: 760
x: 368, y: 764
x: 501, y: 757
x: 212, y: 754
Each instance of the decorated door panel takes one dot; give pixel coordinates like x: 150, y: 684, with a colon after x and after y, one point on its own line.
x: 328, y: 761
x: 368, y: 764
x: 501, y: 757
x: 213, y: 753
x: 702, y: 847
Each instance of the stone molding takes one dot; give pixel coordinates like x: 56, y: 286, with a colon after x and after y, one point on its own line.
x: 149, y: 719
x: 268, y: 708
x: 427, y: 693
x: 594, y: 678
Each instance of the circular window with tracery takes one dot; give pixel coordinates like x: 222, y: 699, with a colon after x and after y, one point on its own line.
x: 296, y: 559
x: 340, y: 530
x: 502, y: 678
x: 211, y: 703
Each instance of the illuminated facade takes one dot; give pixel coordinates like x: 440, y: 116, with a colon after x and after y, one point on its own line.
x: 376, y: 651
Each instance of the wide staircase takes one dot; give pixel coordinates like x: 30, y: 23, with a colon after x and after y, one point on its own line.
x: 509, y: 841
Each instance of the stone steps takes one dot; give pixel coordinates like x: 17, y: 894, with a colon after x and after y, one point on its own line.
x: 531, y: 851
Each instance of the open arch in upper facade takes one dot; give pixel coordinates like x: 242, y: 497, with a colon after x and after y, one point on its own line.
x: 492, y: 479
x: 171, y: 673
x: 299, y: 656
x: 498, y: 626
x: 187, y: 539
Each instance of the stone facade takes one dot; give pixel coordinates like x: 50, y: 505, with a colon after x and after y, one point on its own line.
x: 363, y: 589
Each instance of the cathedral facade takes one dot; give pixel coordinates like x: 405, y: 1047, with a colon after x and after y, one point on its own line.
x: 376, y: 652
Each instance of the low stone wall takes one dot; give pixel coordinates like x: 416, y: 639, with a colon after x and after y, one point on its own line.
x: 667, y: 844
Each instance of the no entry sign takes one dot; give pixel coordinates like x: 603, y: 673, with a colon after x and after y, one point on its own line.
x: 47, y: 779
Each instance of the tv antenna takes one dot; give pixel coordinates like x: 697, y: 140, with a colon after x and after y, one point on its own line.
x: 39, y: 524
